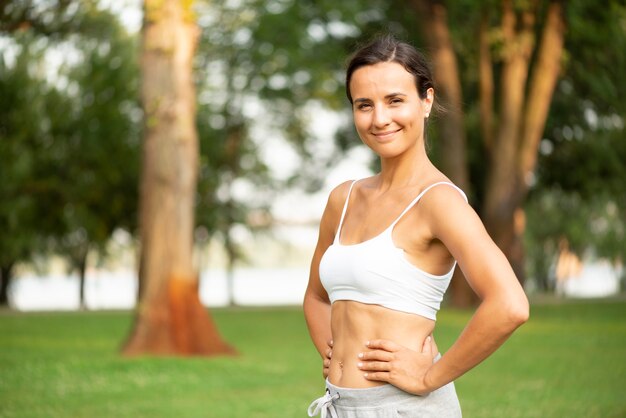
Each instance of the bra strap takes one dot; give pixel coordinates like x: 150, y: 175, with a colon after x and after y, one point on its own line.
x: 343, y: 214
x: 419, y: 196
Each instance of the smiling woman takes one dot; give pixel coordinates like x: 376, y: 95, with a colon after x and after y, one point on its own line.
x: 388, y: 112
x: 388, y: 246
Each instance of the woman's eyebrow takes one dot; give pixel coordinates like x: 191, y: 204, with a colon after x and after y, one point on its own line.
x: 388, y: 96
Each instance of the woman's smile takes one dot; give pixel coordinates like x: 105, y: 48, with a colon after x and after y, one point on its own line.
x: 386, y: 136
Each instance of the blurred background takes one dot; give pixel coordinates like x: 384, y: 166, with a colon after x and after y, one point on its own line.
x: 276, y: 136
x: 532, y: 128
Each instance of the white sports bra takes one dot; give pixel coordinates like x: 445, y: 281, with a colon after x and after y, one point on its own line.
x: 376, y: 271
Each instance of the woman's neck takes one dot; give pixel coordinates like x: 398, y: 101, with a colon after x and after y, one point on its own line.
x: 404, y: 170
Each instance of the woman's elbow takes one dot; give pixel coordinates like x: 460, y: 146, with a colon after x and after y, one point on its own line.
x: 519, y: 310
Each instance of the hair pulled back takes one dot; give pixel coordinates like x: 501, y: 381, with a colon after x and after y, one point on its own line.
x: 386, y: 48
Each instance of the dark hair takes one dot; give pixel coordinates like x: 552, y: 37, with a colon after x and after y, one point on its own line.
x: 386, y: 48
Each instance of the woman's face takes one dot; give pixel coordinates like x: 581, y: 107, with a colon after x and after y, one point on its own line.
x: 388, y: 113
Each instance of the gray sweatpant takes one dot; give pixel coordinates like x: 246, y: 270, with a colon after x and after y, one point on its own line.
x: 385, y: 401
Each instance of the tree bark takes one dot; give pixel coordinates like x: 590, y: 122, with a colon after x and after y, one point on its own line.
x: 542, y: 84
x: 502, y: 193
x: 521, y: 123
x: 453, y: 138
x: 170, y: 318
x: 485, y: 75
x: 6, y: 274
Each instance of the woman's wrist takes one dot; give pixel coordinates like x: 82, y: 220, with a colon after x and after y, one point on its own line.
x: 428, y: 384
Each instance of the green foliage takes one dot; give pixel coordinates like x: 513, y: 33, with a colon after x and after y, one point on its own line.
x: 257, y: 78
x: 580, y: 193
x: 69, y: 136
x: 282, y: 58
x: 66, y: 364
x: 24, y: 134
x: 101, y: 142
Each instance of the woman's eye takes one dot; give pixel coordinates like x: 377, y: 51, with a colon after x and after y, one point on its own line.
x: 363, y: 106
x: 396, y: 101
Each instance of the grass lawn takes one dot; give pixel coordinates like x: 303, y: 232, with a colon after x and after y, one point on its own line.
x: 568, y: 361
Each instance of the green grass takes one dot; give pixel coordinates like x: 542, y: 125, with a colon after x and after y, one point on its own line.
x: 568, y: 361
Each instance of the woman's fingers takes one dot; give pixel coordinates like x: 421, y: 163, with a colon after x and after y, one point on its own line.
x: 379, y: 355
x: 378, y: 376
x: 374, y: 366
x: 326, y: 363
x: 427, y: 347
x: 383, y: 345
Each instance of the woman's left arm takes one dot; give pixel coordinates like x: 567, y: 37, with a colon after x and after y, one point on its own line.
x: 503, y: 307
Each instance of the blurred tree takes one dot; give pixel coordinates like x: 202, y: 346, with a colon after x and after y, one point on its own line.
x: 530, y: 58
x: 24, y: 99
x: 102, y: 141
x: 580, y: 192
x: 75, y: 132
x: 48, y: 18
x: 170, y: 318
x: 230, y: 160
x: 524, y: 43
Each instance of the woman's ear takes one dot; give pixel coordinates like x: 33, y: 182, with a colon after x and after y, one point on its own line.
x: 427, y: 102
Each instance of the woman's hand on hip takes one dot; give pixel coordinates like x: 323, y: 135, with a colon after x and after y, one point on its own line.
x: 327, y: 356
x: 386, y: 361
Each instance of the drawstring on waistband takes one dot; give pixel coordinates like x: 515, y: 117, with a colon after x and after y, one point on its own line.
x: 324, y: 405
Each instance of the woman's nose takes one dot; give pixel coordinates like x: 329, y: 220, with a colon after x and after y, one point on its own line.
x: 381, y: 116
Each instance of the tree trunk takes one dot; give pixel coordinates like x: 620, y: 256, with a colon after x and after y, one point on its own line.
x: 6, y: 274
x: 170, y: 318
x: 82, y: 268
x: 521, y: 123
x: 231, y: 254
x: 453, y: 139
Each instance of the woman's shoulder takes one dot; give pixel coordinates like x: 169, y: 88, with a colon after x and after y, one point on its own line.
x: 335, y: 204
x: 439, y: 198
x: 339, y: 194
x: 442, y: 188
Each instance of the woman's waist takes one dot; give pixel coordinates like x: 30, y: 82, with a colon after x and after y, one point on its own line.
x: 354, y: 323
x: 345, y: 369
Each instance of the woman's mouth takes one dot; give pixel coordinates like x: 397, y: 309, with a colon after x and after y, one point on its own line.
x: 385, y: 136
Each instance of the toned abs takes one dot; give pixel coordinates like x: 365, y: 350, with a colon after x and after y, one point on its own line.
x: 354, y: 323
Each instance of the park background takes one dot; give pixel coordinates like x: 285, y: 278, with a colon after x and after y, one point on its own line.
x: 537, y: 86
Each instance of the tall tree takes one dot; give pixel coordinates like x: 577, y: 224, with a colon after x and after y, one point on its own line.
x: 23, y: 100
x: 580, y: 193
x: 525, y: 92
x: 61, y: 132
x: 100, y: 196
x: 170, y: 318
x: 520, y: 51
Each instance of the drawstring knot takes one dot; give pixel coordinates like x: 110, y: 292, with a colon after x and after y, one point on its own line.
x: 324, y: 405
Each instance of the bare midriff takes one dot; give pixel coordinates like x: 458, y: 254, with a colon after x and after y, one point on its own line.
x: 354, y: 323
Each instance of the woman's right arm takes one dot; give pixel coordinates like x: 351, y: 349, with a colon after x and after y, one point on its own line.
x: 316, y: 303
